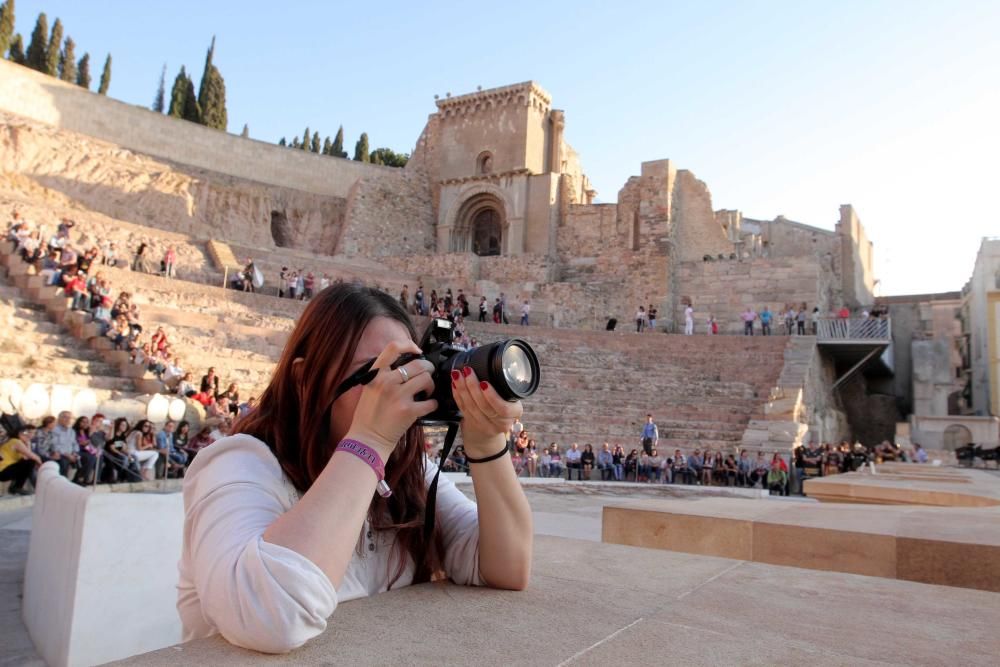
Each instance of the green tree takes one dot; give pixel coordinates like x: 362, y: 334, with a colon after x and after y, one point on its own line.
x: 6, y: 27
x: 17, y: 50
x: 304, y: 144
x: 212, y: 94
x: 282, y: 142
x: 296, y: 143
x: 192, y: 110
x: 83, y: 72
x: 36, y: 56
x: 178, y: 95
x: 246, y: 131
x: 337, y: 150
x: 160, y: 101
x: 314, y: 146
x: 389, y: 157
x: 361, y: 153
x: 52, y: 50
x: 327, y: 146
x: 67, y: 61
x: 102, y: 89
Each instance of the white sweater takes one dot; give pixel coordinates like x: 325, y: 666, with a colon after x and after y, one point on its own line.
x: 269, y: 598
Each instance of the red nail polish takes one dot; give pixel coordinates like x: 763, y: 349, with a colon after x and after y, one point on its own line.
x: 455, y: 375
x: 467, y: 371
x: 483, y: 385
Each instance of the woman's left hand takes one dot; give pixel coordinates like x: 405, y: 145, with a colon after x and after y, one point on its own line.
x: 486, y: 417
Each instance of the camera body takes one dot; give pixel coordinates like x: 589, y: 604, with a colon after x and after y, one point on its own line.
x: 510, y: 366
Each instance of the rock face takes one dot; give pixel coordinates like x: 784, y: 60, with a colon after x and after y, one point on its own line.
x: 129, y: 186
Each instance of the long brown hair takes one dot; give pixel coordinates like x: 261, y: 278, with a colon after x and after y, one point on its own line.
x: 293, y: 418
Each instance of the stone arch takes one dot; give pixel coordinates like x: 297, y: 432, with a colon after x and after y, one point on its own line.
x: 281, y: 230
x: 479, y: 221
x: 484, y: 163
x: 956, y: 435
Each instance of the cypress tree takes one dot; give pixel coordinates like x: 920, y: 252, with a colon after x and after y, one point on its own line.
x: 35, y: 58
x: 304, y: 144
x: 337, y: 150
x: 7, y: 28
x: 295, y: 142
x: 212, y: 94
x: 83, y: 72
x: 159, y: 102
x: 282, y: 142
x: 105, y: 77
x: 178, y: 95
x: 17, y: 49
x: 327, y: 146
x: 52, y: 51
x: 314, y: 146
x: 246, y: 131
x: 192, y: 110
x: 361, y: 149
x: 67, y: 61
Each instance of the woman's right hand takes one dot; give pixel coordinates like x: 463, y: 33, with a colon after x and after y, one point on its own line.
x: 388, y: 407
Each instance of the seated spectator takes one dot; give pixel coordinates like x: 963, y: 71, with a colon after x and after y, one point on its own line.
x: 679, y: 470
x: 172, y: 373
x: 708, y: 467
x: 50, y: 268
x: 102, y: 315
x: 744, y: 468
x: 618, y: 462
x: 119, y: 466
x: 587, y: 461
x: 199, y: 441
x: 221, y: 429
x: 604, y: 462
x: 656, y: 464
x: 919, y: 454
x: 205, y: 398
x: 531, y: 458
x: 632, y: 464
x: 76, y: 288
x: 777, y: 476
x: 812, y: 457
x: 544, y: 462
x: 17, y: 461
x: 730, y: 470
x: 556, y: 465
x: 573, y: 455
x: 695, y: 463
x: 62, y: 445
x: 174, y: 459
x: 86, y: 451
x: 210, y: 382
x: 758, y: 473
x: 141, y: 446
x: 186, y: 387
x: 232, y: 394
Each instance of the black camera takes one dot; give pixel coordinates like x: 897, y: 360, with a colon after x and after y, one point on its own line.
x: 510, y: 366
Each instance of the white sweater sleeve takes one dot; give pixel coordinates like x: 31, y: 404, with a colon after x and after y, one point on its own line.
x: 458, y: 519
x: 259, y: 595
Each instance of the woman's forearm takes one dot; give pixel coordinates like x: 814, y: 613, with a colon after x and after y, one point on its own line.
x: 505, y: 525
x: 325, y: 523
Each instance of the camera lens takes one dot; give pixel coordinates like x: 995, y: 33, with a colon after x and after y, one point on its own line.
x: 518, y: 370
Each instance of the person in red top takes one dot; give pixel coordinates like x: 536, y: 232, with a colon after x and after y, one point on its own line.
x: 77, y: 288
x: 169, y: 260
x: 843, y: 313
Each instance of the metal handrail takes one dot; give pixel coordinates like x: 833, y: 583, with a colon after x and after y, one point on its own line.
x: 854, y: 328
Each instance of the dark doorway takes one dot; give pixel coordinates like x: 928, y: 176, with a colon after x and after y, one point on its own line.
x: 486, y: 233
x: 281, y: 230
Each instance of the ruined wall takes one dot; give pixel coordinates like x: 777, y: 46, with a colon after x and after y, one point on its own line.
x: 857, y: 259
x: 725, y: 288
x: 46, y: 99
x: 36, y: 158
x: 388, y: 214
x: 696, y: 231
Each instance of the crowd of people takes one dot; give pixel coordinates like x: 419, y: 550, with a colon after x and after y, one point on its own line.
x: 97, y: 449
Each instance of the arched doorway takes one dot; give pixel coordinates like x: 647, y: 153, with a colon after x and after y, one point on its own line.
x: 956, y: 436
x: 486, y: 233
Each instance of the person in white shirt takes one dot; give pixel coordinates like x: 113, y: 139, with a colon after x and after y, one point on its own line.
x: 688, y: 320
x: 282, y: 519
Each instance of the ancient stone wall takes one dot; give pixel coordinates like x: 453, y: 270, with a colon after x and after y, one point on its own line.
x: 696, y: 231
x: 857, y: 259
x: 388, y: 214
x: 48, y: 100
x: 725, y: 288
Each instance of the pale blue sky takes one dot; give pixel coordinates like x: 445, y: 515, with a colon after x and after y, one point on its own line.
x: 780, y: 107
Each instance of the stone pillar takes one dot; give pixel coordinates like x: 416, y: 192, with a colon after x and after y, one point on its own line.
x: 558, y: 121
x: 513, y: 243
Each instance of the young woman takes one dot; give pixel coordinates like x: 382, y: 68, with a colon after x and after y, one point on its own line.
x: 587, y: 461
x: 617, y: 459
x: 141, y: 445
x: 17, y: 461
x: 88, y: 453
x: 282, y: 517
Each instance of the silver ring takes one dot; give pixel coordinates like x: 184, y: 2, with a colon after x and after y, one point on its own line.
x: 402, y: 371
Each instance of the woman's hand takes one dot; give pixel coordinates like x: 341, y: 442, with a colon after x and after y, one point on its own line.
x: 486, y: 417
x: 387, y: 407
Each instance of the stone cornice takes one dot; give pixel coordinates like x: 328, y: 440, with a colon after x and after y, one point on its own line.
x: 486, y: 178
x: 527, y: 93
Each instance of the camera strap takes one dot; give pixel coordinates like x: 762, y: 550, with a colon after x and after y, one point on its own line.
x: 429, y: 507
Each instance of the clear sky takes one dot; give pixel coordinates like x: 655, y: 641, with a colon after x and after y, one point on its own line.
x: 786, y: 108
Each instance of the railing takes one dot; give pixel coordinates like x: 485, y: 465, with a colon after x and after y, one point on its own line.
x: 856, y: 328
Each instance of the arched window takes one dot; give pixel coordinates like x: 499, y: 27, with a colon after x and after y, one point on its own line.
x: 484, y: 163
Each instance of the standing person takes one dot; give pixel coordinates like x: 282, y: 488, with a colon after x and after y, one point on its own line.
x: 282, y: 282
x: 790, y: 316
x: 418, y: 299
x: 309, y: 282
x: 815, y: 321
x: 651, y: 314
x: 404, y: 297
x: 248, y: 275
x: 640, y: 319
x: 689, y: 320
x: 497, y: 311
x: 525, y: 309
x: 483, y: 308
x: 711, y: 326
x: 800, y: 320
x: 650, y: 435
x: 300, y: 284
x: 169, y: 261
x: 503, y: 309
x: 139, y: 252
x: 765, y: 322
x: 748, y: 317
x: 516, y: 429
x: 17, y: 461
